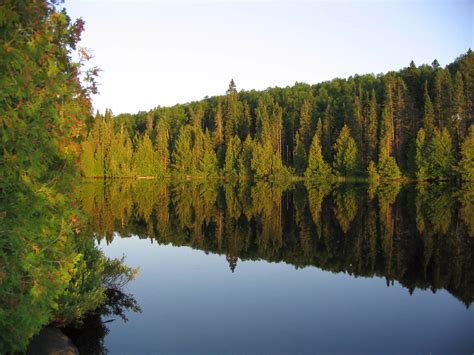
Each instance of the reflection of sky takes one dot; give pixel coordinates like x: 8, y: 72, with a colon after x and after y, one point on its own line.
x: 192, y: 303
x: 166, y: 52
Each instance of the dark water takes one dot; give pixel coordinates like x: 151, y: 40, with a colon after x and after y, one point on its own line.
x: 266, y: 268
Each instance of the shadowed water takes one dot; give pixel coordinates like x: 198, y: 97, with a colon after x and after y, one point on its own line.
x: 272, y: 268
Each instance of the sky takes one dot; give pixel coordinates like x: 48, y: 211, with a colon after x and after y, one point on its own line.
x: 160, y: 53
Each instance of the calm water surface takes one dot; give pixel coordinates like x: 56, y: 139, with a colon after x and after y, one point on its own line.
x: 239, y: 268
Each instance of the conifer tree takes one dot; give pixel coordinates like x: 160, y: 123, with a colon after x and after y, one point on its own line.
x: 305, y: 130
x: 346, y: 155
x: 317, y: 167
x: 232, y: 157
x: 428, y: 113
x: 300, y: 157
x: 182, y: 154
x: 439, y: 155
x: 145, y: 160
x: 245, y: 163
x: 121, y: 155
x: 421, y: 166
x: 327, y: 132
x: 466, y: 164
x: 208, y: 165
x: 371, y: 129
x: 162, y: 147
x: 219, y: 125
x: 387, y: 167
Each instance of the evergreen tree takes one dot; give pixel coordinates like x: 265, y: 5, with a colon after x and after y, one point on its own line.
x: 245, y: 163
x: 305, y: 130
x: 387, y: 167
x: 421, y: 163
x: 182, y: 156
x: 232, y: 112
x: 346, y: 155
x: 466, y: 164
x: 439, y: 155
x: 371, y: 129
x: 162, y: 147
x: 428, y: 113
x: 121, y: 156
x: 219, y: 125
x: 232, y: 157
x: 317, y: 167
x: 300, y: 157
x: 326, y: 132
x: 145, y: 160
x: 458, y: 126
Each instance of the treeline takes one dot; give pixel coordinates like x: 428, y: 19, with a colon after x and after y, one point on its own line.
x: 411, y: 123
x: 421, y: 236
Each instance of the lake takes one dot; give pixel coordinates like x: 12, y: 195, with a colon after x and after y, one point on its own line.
x: 289, y: 268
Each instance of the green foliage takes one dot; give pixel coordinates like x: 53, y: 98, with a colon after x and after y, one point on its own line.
x: 466, y: 164
x: 440, y: 157
x: 428, y: 112
x: 145, y: 159
x: 421, y: 163
x: 300, y: 156
x: 43, y: 112
x: 384, y: 114
x: 182, y: 153
x: 388, y: 168
x: 372, y: 173
x: 317, y: 167
x: 346, y: 155
x: 233, y: 157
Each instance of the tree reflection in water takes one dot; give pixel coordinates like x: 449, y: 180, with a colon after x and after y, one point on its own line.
x: 421, y: 236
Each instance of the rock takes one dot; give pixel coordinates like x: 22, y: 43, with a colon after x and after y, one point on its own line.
x: 51, y: 341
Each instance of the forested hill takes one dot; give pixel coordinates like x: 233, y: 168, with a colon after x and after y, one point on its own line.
x: 414, y: 123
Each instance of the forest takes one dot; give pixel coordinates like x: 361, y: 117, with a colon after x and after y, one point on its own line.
x: 414, y: 124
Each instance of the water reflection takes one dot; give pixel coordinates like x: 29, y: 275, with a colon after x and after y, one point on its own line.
x: 421, y: 236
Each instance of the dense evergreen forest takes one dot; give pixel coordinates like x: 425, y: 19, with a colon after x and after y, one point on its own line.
x: 415, y: 123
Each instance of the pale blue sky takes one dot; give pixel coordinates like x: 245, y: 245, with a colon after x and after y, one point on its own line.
x: 162, y: 52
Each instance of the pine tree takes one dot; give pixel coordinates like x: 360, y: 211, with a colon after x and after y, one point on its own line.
x: 208, y: 164
x: 371, y: 130
x: 305, y: 130
x: 317, y: 167
x: 144, y: 159
x: 459, y: 104
x: 219, y: 126
x: 232, y: 157
x: 245, y: 163
x: 182, y: 154
x: 162, y: 147
x: 121, y: 155
x: 421, y: 166
x: 428, y: 113
x: 466, y: 164
x: 300, y: 157
x: 439, y: 155
x: 387, y: 166
x: 346, y: 155
x: 327, y: 132
x: 357, y: 120
x: 232, y: 112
